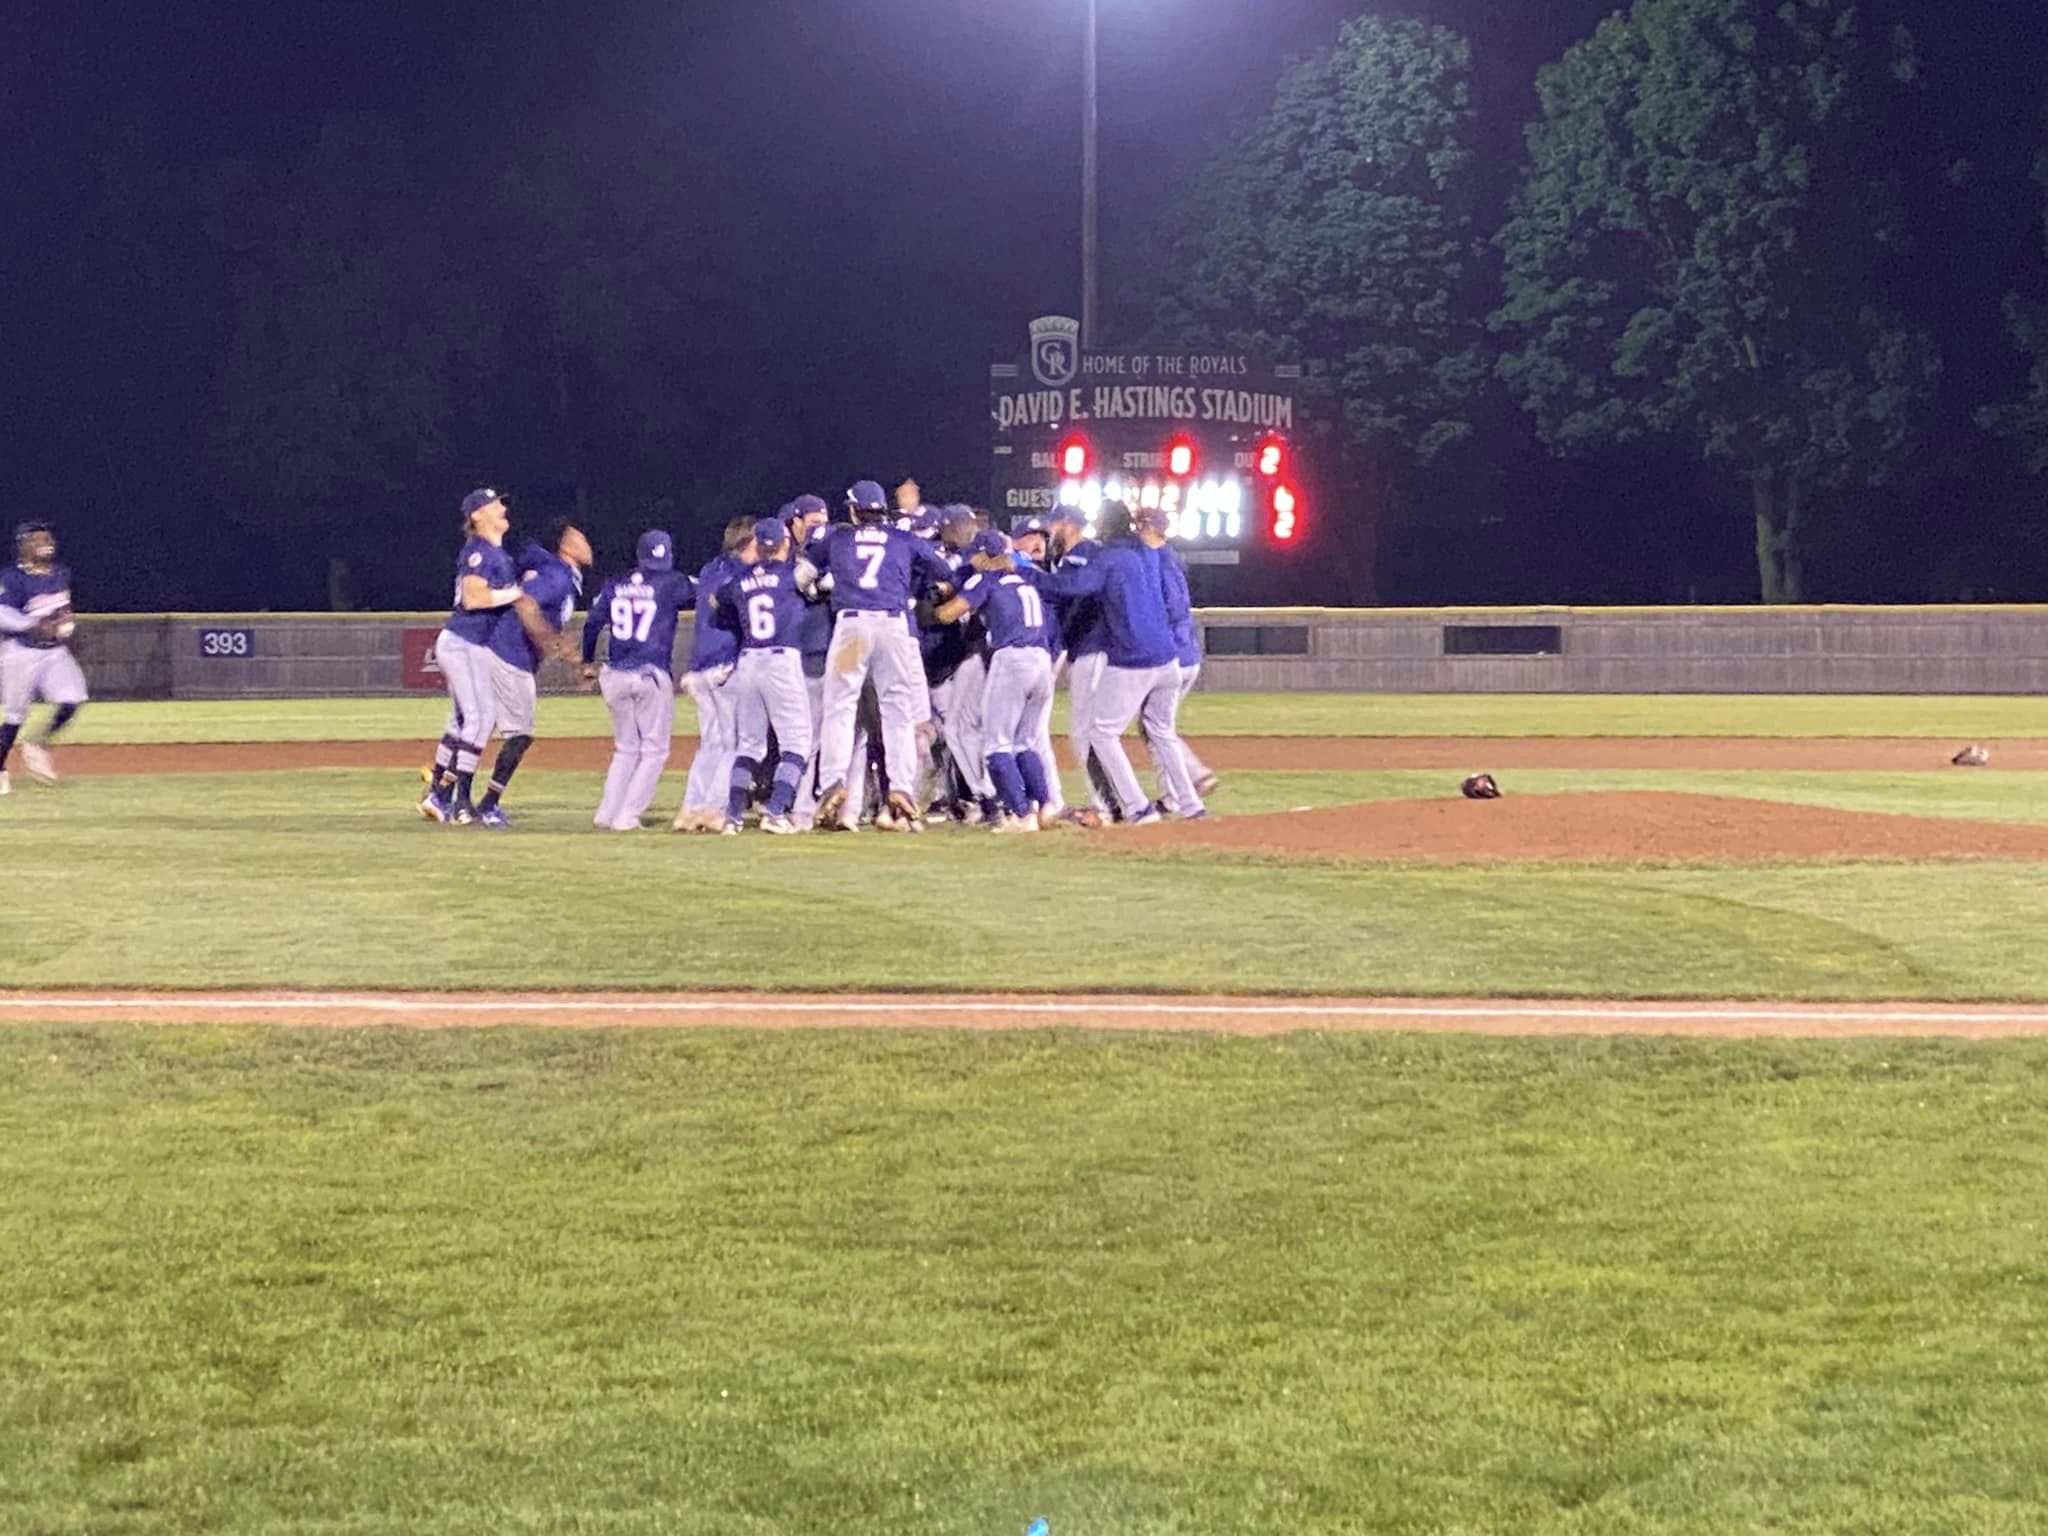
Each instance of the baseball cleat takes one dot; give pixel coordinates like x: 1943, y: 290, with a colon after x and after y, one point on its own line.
x: 36, y: 760
x: 1207, y: 785
x: 1048, y: 817
x: 495, y: 819
x: 1149, y: 817
x: 830, y: 804
x: 433, y: 807
x: 778, y: 826
x: 902, y: 811
x: 1083, y: 818
x: 885, y: 820
x: 1014, y: 825
x: 729, y: 829
x: 462, y: 816
x: 1196, y: 816
x: 971, y: 814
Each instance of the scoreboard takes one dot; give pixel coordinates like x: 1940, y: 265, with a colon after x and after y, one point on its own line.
x: 1209, y: 438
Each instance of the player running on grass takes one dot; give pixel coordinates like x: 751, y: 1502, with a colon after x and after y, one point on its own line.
x: 35, y: 652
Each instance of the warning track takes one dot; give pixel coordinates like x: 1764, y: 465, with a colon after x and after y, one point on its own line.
x: 1134, y: 1013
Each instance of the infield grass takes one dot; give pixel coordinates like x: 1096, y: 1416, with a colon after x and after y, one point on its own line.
x: 324, y: 879
x: 468, y: 1283
x: 420, y: 717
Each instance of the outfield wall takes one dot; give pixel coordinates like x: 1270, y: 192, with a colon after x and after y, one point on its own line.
x: 1934, y: 650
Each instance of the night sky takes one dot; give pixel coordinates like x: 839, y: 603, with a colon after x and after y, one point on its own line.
x: 862, y: 201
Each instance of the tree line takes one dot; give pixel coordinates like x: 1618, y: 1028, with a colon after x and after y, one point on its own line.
x: 1731, y: 241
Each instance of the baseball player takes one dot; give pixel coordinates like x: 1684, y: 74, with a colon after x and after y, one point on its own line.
x: 1028, y: 550
x: 873, y: 567
x: 636, y: 614
x: 714, y: 648
x: 35, y: 653
x: 1016, y: 618
x: 1085, y: 641
x: 768, y: 680
x: 960, y: 721
x: 1187, y: 656
x: 550, y: 582
x: 1140, y: 676
x: 486, y: 583
x: 805, y: 516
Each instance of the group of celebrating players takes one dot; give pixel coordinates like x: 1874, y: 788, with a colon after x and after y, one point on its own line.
x: 894, y: 667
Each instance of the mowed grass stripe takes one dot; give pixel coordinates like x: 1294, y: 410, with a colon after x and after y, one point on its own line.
x: 525, y: 1280
x: 324, y: 880
x: 420, y: 717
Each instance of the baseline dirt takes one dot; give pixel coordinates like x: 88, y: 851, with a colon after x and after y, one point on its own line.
x: 1594, y: 828
x: 1223, y: 753
x: 1179, y: 1015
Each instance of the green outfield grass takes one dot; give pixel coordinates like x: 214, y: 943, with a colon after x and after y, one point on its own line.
x: 325, y: 879
x: 470, y: 1283
x: 1228, y: 714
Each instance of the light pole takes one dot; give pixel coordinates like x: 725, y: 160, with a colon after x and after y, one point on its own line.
x: 1089, y: 250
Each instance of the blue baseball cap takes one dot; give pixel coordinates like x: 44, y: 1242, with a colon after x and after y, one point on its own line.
x: 806, y: 505
x: 769, y: 532
x: 1029, y: 523
x: 1067, y: 512
x: 988, y: 543
x: 955, y: 512
x: 657, y: 551
x: 925, y: 522
x: 867, y: 496
x: 478, y: 499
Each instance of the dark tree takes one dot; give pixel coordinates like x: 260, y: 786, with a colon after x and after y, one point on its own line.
x: 1701, y: 249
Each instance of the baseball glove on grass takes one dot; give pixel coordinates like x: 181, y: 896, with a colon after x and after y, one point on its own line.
x: 1480, y: 786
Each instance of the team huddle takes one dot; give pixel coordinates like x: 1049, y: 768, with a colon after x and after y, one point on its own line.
x: 892, y: 668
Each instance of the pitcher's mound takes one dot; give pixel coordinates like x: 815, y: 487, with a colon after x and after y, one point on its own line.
x: 1593, y: 828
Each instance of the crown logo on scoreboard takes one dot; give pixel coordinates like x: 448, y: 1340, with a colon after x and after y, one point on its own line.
x: 1055, y: 350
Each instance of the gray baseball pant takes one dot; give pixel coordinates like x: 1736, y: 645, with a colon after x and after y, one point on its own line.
x: 1042, y: 736
x: 966, y: 729
x: 881, y: 643
x: 643, y: 710
x: 717, y: 742
x: 1019, y: 693
x: 805, y: 811
x: 472, y: 696
x: 771, y: 695
x: 1151, y: 695
x: 1197, y: 770
x: 29, y: 672
x: 1084, y: 676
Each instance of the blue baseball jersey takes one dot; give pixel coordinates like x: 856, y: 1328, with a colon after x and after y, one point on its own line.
x: 1080, y: 618
x: 639, y: 612
x: 769, y: 606
x: 34, y: 596
x: 874, y: 568
x: 1125, y: 576
x: 480, y: 557
x: 715, y: 638
x: 1180, y: 610
x: 945, y: 646
x: 1016, y: 614
x: 554, y: 585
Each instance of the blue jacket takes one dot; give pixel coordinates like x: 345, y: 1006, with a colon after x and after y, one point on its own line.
x: 1125, y: 576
